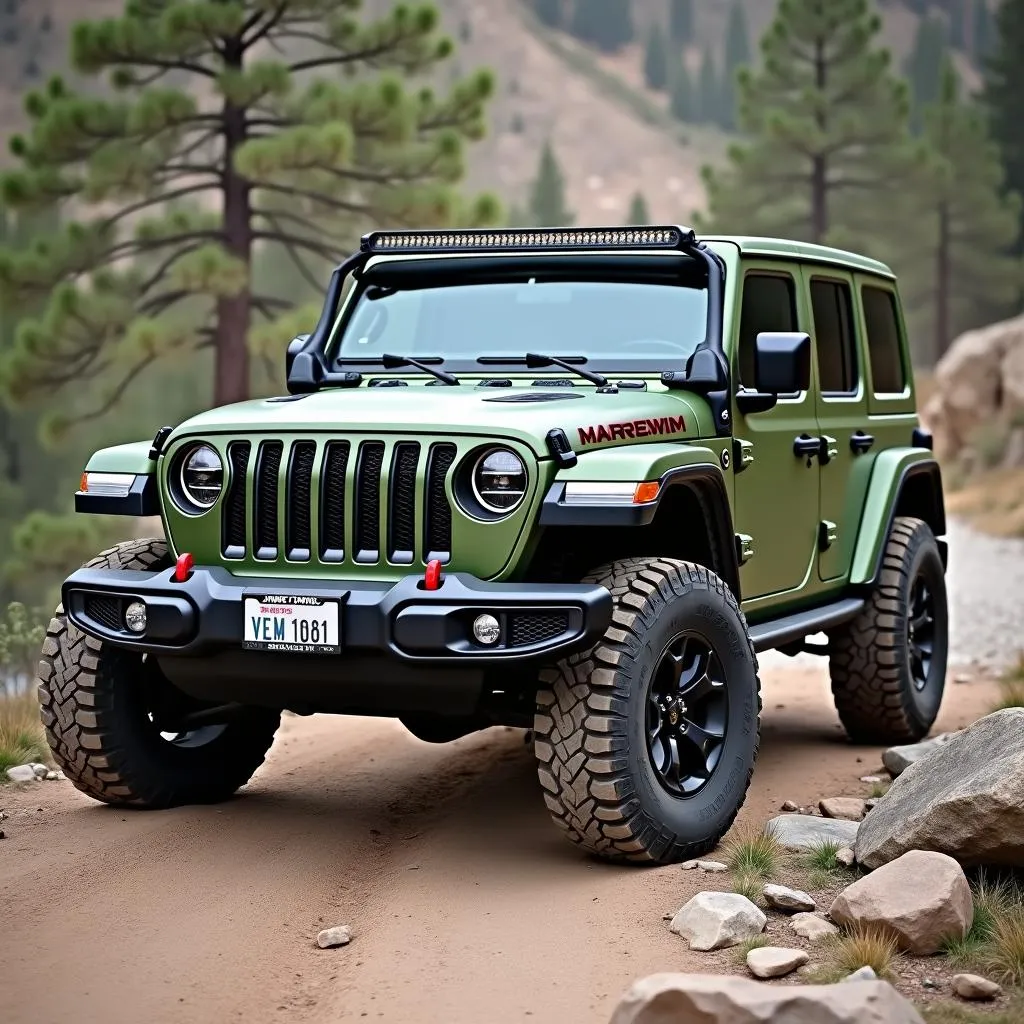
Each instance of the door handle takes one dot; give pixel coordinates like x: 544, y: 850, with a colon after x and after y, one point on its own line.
x: 861, y: 442
x: 805, y: 447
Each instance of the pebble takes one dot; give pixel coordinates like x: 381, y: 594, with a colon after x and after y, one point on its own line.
x: 339, y: 935
x: 961, y: 678
x: 974, y: 987
x: 846, y: 857
x: 41, y: 771
x: 848, y: 808
x: 779, y: 897
x: 929, y: 983
x: 52, y: 776
x: 871, y: 779
x: 21, y: 773
x: 788, y: 805
x: 775, y: 961
x: 713, y: 867
x: 862, y: 974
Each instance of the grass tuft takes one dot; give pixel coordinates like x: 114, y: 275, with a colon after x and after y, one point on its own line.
x: 21, y: 732
x: 748, y: 884
x: 1011, y: 687
x: 757, y: 942
x: 1002, y: 954
x: 756, y: 855
x: 863, y: 947
x: 878, y: 790
x: 1011, y: 1012
x: 822, y: 856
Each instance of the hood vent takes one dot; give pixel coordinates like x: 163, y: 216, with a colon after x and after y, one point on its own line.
x: 533, y: 396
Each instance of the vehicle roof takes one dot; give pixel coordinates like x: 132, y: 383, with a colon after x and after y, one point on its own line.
x: 784, y: 248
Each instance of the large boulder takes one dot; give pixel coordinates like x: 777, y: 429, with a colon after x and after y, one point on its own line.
x: 922, y: 900
x: 978, y: 378
x: 966, y: 799
x: 720, y: 999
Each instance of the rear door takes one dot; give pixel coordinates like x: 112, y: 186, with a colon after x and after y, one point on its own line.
x: 841, y: 406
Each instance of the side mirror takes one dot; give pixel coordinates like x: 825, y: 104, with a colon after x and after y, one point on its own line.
x: 294, y: 347
x: 782, y: 363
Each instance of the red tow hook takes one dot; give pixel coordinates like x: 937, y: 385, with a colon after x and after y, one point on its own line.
x: 183, y: 567
x: 432, y: 575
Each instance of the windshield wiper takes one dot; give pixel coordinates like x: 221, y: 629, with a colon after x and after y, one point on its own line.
x: 393, y: 362
x: 535, y: 361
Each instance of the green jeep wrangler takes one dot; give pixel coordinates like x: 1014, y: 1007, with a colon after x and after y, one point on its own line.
x: 564, y: 479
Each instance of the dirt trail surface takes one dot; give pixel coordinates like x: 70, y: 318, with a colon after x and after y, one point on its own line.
x: 466, y: 905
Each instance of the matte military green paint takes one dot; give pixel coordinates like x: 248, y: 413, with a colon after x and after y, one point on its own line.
x: 123, y: 458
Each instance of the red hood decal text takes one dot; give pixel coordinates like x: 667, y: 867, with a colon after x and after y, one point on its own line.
x: 632, y: 429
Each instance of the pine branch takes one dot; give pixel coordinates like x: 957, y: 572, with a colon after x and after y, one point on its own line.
x: 286, y: 239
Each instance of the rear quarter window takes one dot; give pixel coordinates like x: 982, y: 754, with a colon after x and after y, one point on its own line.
x: 885, y: 349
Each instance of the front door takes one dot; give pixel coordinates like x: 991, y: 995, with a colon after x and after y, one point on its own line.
x: 776, y: 489
x: 847, y: 447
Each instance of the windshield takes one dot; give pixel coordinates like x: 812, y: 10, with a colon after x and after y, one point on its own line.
x: 615, y: 324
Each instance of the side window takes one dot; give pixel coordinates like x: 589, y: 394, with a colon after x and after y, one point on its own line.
x: 769, y: 304
x: 884, y: 350
x: 834, y: 340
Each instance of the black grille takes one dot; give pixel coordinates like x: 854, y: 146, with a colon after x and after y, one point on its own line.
x: 268, y: 465
x: 536, y: 627
x: 438, y: 539
x: 371, y: 460
x: 339, y: 500
x: 233, y: 524
x: 402, y: 505
x: 332, y: 502
x: 298, y: 513
x: 107, y: 611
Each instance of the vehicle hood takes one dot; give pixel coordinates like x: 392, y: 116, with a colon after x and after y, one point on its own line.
x: 590, y: 420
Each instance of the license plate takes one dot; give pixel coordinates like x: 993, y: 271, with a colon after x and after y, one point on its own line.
x: 291, y: 623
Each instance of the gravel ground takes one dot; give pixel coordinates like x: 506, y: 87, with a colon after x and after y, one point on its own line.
x: 986, y: 589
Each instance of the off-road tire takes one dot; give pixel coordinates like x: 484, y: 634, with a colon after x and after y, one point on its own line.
x: 590, y: 725
x: 97, y: 725
x: 868, y: 658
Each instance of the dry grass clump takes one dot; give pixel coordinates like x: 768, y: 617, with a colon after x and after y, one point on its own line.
x: 862, y: 947
x: 755, y: 855
x: 21, y: 732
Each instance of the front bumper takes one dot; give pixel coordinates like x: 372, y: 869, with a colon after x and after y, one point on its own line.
x: 203, y: 616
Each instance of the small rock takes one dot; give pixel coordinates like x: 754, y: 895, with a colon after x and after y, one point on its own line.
x: 712, y: 867
x: 848, y: 808
x: 846, y: 857
x: 974, y: 987
x: 61, y: 777
x: 40, y: 770
x: 898, y: 759
x: 21, y: 773
x: 779, y: 897
x: 862, y: 974
x: 689, y: 865
x: 714, y: 920
x: 923, y: 899
x: 961, y: 678
x: 788, y: 805
x: 929, y: 983
x: 775, y: 961
x: 813, y: 927
x: 804, y: 832
x: 339, y: 935
x: 51, y: 776
x: 871, y: 779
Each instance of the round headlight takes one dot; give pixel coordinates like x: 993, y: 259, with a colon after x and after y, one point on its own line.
x: 202, y: 476
x: 499, y: 480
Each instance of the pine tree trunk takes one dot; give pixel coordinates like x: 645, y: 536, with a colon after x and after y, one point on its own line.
x: 942, y: 282
x: 231, y: 373
x: 819, y: 163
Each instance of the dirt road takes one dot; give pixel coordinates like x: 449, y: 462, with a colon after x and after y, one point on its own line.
x: 466, y: 905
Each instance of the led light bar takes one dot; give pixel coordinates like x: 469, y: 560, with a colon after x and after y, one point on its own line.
x: 565, y: 239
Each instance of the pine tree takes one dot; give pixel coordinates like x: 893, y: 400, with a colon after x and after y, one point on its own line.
x: 638, y: 212
x: 824, y: 134
x: 958, y: 274
x: 1001, y: 96
x: 737, y: 55
x: 547, y: 196
x: 656, y: 60
x: 984, y: 31
x: 924, y: 68
x: 218, y: 145
x: 550, y: 12
x: 681, y: 98
x: 709, y: 91
x: 680, y: 21
x: 607, y: 24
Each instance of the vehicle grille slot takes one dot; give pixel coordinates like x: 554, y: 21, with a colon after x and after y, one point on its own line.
x: 298, y: 529
x: 107, y: 611
x: 438, y: 513
x: 268, y: 466
x: 402, y: 503
x: 528, y: 628
x: 369, y: 463
x: 332, y: 502
x: 233, y: 523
